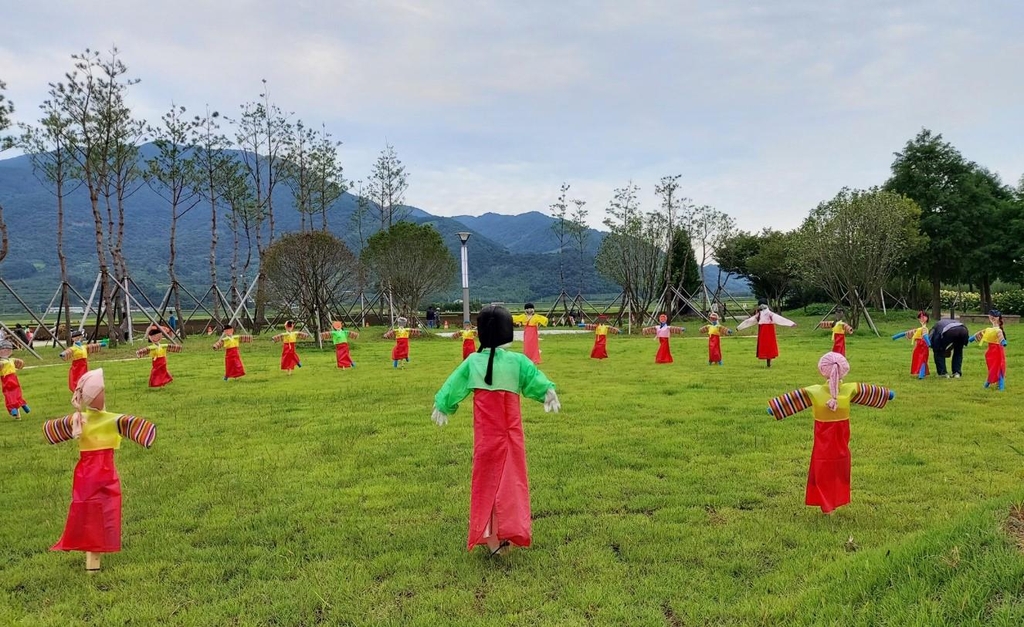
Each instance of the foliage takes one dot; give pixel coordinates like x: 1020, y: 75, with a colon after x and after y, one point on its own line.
x: 328, y: 497
x: 312, y: 268
x: 685, y: 271
x: 1010, y: 302
x: 386, y: 187
x: 851, y: 245
x: 632, y: 255
x: 411, y: 261
x: 561, y: 228
x: 767, y: 260
x: 962, y: 301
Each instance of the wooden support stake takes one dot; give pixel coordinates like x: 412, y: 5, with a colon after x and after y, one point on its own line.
x: 92, y: 561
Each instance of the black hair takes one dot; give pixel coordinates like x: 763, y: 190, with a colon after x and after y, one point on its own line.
x: 153, y: 331
x: 494, y: 326
x: 995, y: 313
x: 528, y: 306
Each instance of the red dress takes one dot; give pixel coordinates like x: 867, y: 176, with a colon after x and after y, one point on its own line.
x: 233, y: 367
x: 664, y: 355
x: 94, y: 518
x: 839, y: 343
x: 600, y: 350
x: 714, y: 348
x: 401, y: 349
x: 828, y: 478
x: 531, y: 343
x: 919, y: 358
x: 342, y: 356
x: 158, y: 375
x: 78, y: 368
x: 468, y: 347
x: 289, y: 358
x: 995, y: 358
x: 767, y: 344
x: 500, y: 485
x: 13, y: 398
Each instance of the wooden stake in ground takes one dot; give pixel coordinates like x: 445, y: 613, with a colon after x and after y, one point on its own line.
x: 92, y: 561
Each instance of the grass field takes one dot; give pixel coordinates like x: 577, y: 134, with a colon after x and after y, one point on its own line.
x: 662, y: 495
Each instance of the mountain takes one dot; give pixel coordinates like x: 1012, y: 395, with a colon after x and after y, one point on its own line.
x: 511, y: 258
x: 530, y: 232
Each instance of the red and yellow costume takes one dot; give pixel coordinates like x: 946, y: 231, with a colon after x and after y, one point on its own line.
x: 662, y: 332
x: 531, y: 336
x: 94, y: 517
x: 340, y: 336
x: 78, y: 353
x: 828, y: 478
x: 601, y: 331
x: 13, y: 397
x: 499, y: 512
x: 919, y: 358
x: 401, y: 335
x: 715, y: 331
x: 839, y: 332
x: 289, y: 357
x: 468, y: 337
x: 995, y: 355
x: 233, y: 366
x: 158, y: 374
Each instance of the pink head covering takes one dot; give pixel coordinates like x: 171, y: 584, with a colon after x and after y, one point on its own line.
x: 88, y: 391
x: 833, y: 367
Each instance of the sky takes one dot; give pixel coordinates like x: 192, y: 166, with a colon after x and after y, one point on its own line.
x: 764, y: 108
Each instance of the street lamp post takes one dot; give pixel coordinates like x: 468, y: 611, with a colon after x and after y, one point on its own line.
x: 464, y: 237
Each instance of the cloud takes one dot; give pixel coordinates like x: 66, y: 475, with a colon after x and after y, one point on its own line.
x: 765, y: 108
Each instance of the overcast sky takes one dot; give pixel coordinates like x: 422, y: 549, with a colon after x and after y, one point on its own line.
x: 764, y: 108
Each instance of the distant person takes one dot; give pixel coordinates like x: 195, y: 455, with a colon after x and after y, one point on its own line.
x: 19, y: 331
x: 431, y: 317
x: 949, y: 337
x: 173, y: 323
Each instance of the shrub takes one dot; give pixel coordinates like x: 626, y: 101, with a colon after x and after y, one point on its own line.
x: 969, y: 301
x: 1010, y: 302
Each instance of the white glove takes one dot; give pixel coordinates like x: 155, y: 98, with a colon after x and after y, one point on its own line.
x: 439, y: 418
x: 551, y: 401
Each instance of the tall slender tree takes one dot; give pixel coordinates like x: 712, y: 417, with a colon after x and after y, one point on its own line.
x: 328, y: 175
x: 386, y: 187
x: 6, y: 111
x: 297, y: 170
x: 580, y: 233
x: 84, y: 98
x: 561, y: 228
x: 212, y: 162
x: 173, y: 174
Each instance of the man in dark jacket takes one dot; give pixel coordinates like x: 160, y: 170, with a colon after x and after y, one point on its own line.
x: 949, y: 337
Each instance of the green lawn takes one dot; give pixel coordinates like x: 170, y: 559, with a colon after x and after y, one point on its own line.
x: 662, y: 495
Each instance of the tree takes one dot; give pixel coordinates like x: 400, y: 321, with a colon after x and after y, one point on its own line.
x: 47, y: 147
x: 174, y: 175
x: 580, y: 233
x: 296, y: 170
x: 311, y: 267
x: 6, y: 111
x: 386, y: 187
x: 561, y: 228
x: 711, y: 228
x: 262, y: 131
x: 933, y: 173
x: 764, y: 259
x: 683, y: 261
x: 992, y: 212
x: 328, y: 176
x: 851, y: 245
x: 88, y: 99
x: 412, y: 261
x: 212, y: 162
x: 244, y: 215
x: 631, y: 255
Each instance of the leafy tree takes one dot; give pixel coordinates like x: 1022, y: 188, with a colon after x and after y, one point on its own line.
x: 684, y: 265
x: 411, y: 261
x: 632, y: 255
x: 91, y: 98
x: 992, y: 212
x: 262, y: 132
x: 764, y: 259
x: 580, y: 233
x: 710, y: 228
x: 561, y: 227
x: 296, y: 169
x: 851, y: 245
x: 174, y: 174
x: 233, y: 184
x: 328, y: 182
x: 47, y: 146
x: 386, y: 187
x: 934, y: 174
x: 311, y: 267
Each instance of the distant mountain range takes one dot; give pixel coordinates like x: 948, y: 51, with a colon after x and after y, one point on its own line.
x: 512, y: 257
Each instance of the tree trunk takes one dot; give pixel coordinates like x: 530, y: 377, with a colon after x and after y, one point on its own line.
x: 936, y: 297
x: 174, y: 277
x: 101, y: 254
x: 213, y: 249
x: 62, y: 259
x: 234, y: 258
x: 4, y: 244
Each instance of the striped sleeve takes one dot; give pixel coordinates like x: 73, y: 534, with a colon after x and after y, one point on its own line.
x: 649, y: 330
x: 789, y: 403
x: 136, y: 429
x: 174, y: 348
x: 58, y: 430
x: 871, y: 395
